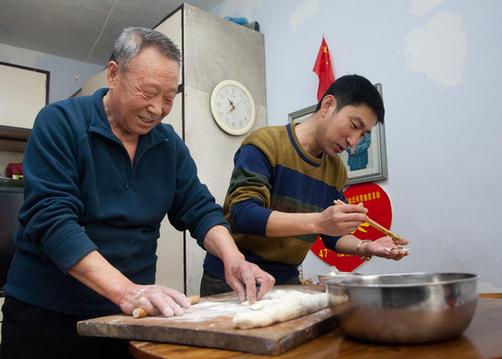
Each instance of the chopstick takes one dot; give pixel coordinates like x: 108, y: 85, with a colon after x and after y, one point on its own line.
x: 376, y: 225
x: 141, y: 313
x: 381, y: 228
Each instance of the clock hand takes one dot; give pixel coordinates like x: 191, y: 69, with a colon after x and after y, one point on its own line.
x: 232, y: 105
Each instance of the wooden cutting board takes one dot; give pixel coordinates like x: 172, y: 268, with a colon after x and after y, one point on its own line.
x: 209, y: 324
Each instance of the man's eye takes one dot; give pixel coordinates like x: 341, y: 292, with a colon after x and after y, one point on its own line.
x: 149, y: 94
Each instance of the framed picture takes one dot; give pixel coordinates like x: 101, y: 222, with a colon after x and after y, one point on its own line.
x: 365, y: 162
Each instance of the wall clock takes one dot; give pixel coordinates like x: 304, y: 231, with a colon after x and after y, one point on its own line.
x: 233, y: 107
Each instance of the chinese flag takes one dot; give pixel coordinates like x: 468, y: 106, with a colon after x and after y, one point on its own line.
x: 323, y: 69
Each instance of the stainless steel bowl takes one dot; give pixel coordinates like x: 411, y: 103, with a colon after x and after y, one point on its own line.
x: 404, y: 308
x: 324, y: 278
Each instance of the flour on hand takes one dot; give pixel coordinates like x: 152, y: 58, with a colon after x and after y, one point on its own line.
x: 279, y: 306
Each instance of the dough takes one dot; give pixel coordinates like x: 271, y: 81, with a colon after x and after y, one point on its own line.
x: 279, y: 306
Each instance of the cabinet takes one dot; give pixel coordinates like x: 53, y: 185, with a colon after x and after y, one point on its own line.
x: 213, y: 50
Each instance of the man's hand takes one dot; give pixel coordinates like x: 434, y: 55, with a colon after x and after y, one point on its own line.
x: 385, y: 247
x: 247, y: 280
x: 341, y: 220
x: 154, y: 299
x: 98, y: 274
x: 243, y: 277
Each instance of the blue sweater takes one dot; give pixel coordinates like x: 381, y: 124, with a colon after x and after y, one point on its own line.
x: 273, y: 172
x: 82, y: 194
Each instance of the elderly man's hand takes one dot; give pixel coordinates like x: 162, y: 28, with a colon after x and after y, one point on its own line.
x: 247, y: 280
x: 154, y: 299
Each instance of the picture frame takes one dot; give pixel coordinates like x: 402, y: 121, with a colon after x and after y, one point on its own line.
x: 360, y: 168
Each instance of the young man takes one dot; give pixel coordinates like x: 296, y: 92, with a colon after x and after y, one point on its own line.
x: 285, y: 181
x: 101, y: 172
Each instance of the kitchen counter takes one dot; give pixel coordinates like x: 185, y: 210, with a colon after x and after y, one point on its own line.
x: 482, y: 339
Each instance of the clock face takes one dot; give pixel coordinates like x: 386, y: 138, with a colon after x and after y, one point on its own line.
x: 233, y: 107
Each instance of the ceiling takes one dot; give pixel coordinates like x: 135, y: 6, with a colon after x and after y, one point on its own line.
x: 80, y: 29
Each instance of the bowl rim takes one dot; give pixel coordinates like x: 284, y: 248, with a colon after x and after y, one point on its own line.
x: 340, y: 274
x: 348, y: 282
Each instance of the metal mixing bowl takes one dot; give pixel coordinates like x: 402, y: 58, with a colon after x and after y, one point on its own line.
x: 333, y: 274
x: 404, y: 308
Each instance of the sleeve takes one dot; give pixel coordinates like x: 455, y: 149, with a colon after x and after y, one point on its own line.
x: 329, y: 241
x: 249, y: 191
x: 50, y: 215
x: 194, y: 208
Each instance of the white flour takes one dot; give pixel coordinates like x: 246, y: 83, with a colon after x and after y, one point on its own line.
x: 212, y: 309
x: 207, y: 310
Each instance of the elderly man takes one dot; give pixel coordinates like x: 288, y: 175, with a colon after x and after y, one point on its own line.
x: 101, y: 172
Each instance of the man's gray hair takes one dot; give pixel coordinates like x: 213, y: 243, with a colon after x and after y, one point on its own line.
x: 134, y: 39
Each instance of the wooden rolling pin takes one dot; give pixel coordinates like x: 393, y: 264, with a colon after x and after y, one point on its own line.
x: 141, y: 313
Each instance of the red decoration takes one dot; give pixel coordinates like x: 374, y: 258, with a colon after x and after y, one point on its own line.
x: 379, y: 208
x: 323, y: 69
x: 14, y: 169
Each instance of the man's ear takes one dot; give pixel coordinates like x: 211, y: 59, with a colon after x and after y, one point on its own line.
x: 328, y: 104
x: 112, y: 74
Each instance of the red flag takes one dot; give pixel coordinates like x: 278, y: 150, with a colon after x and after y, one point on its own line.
x: 323, y: 69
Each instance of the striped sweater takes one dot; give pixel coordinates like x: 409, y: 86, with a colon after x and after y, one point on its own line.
x: 273, y: 172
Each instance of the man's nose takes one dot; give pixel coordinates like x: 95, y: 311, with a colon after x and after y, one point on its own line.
x: 155, y: 106
x: 353, y: 140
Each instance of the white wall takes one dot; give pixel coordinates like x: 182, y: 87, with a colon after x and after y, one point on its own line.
x: 440, y: 65
x: 66, y: 75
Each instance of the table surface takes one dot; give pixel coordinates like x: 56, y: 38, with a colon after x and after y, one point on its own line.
x: 482, y: 339
x: 209, y: 324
